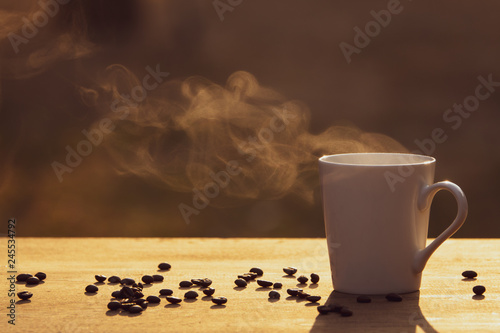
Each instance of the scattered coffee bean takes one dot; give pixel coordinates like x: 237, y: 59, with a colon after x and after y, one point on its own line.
x: 196, y: 281
x: 479, y: 290
x: 158, y: 278
x: 245, y: 277
x: 173, y: 300
x: 127, y: 305
x: 114, y: 279
x: 314, y: 278
x: 258, y: 271
x: 91, y: 288
x: 240, y: 282
x: 324, y: 309
x: 345, y: 312
x: 127, y: 281
x: 164, y: 266
x: 293, y: 291
x: 166, y: 292
x: 147, y: 279
x: 153, y: 299
x: 264, y: 283
x: 99, y: 278
x: 114, y: 305
x: 303, y: 294
x: 140, y: 285
x: 117, y: 294
x: 138, y: 294
x: 277, y: 285
x: 126, y: 292
x: 139, y: 301
x: 274, y: 294
x: 191, y: 294
x: 23, y: 277
x: 335, y: 307
x: 253, y: 275
x: 205, y: 282
x: 144, y: 305
x: 185, y: 284
x: 469, y: 274
x: 290, y: 270
x: 392, y: 297
x: 24, y: 295
x: 302, y: 279
x: 313, y: 299
x: 33, y: 280
x: 41, y: 276
x: 209, y: 291
x: 363, y: 299
x: 135, y: 309
x: 219, y: 300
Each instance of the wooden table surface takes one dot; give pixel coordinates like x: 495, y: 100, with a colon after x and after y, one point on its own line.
x: 445, y: 302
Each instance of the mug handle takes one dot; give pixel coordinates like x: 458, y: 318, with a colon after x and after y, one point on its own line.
x: 424, y: 202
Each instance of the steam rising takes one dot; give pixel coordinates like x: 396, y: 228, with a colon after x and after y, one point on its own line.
x: 185, y: 130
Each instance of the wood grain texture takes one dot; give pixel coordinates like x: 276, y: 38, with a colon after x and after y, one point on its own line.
x: 445, y: 302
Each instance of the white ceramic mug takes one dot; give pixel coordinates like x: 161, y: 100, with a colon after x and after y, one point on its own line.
x: 376, y: 209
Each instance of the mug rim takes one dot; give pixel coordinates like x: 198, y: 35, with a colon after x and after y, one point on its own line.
x: 424, y: 159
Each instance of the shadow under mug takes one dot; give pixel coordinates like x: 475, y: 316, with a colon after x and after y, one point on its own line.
x: 376, y: 209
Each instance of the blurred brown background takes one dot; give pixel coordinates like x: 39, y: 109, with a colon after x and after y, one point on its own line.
x: 427, y: 58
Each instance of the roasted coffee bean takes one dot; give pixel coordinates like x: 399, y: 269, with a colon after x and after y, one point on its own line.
x: 99, y: 278
x: 153, y: 299
x: 209, y: 291
x: 205, y: 282
x: 196, y: 281
x: 117, y: 294
x: 127, y: 281
x: 91, y: 288
x: 41, y: 276
x: 127, y: 292
x: 245, y: 277
x: 147, y: 279
x: 313, y: 299
x: 302, y: 279
x: 164, y: 266
x: 258, y: 271
x: 479, y: 290
x: 264, y: 283
x: 144, y: 305
x: 219, y: 300
x: 135, y: 309
x: 277, y: 285
x: 166, y: 292
x: 23, y: 277
x: 114, y: 279
x: 363, y: 299
x: 345, y: 312
x: 114, y: 305
x: 24, y: 295
x: 293, y: 291
x: 127, y: 305
x: 33, y: 280
x: 191, y: 294
x: 290, y: 270
x: 185, y: 284
x: 274, y: 294
x: 303, y: 294
x: 173, y: 300
x: 138, y: 294
x: 335, y: 307
x: 253, y: 275
x: 314, y: 278
x: 469, y: 274
x: 138, y: 301
x: 240, y: 282
x: 158, y: 278
x: 324, y: 309
x: 392, y: 297
x: 140, y: 285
